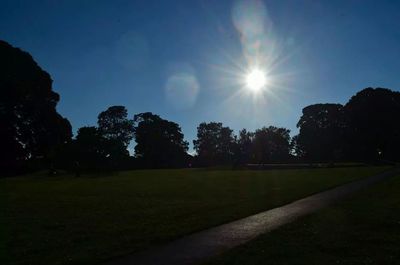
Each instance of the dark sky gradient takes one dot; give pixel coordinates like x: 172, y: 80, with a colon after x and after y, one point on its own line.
x: 103, y: 53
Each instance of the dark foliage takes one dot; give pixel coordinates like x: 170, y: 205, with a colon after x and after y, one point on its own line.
x: 373, y: 127
x: 215, y: 144
x: 114, y: 125
x: 159, y: 142
x: 91, y: 150
x: 30, y: 127
x: 367, y: 129
x: 243, y: 152
x: 271, y: 145
x: 320, y: 133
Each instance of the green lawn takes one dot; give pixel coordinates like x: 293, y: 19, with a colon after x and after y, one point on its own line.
x: 364, y: 229
x: 67, y: 220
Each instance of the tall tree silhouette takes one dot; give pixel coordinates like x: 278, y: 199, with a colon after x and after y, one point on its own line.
x: 30, y: 126
x: 244, y: 147
x: 321, y: 130
x: 215, y: 143
x: 90, y: 148
x: 114, y: 125
x: 159, y: 142
x: 271, y: 144
x: 373, y: 128
x: 93, y: 151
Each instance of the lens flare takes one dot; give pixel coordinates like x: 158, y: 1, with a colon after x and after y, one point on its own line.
x: 252, y: 79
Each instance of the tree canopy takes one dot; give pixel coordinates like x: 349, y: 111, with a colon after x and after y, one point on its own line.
x: 373, y: 128
x: 271, y: 144
x: 320, y: 132
x: 244, y: 147
x: 114, y: 125
x: 214, y: 144
x: 159, y: 142
x: 366, y: 128
x: 30, y: 126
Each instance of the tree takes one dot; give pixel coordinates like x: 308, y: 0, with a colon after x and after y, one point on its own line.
x: 114, y: 125
x: 92, y: 151
x: 30, y: 127
x: 215, y: 143
x: 320, y: 135
x: 271, y: 144
x: 90, y: 148
x: 373, y: 128
x: 244, y: 147
x: 159, y: 142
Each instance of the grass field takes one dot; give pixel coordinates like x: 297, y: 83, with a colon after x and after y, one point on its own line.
x: 364, y: 229
x: 67, y: 220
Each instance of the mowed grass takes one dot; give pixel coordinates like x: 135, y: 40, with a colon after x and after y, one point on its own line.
x: 364, y: 229
x: 67, y: 220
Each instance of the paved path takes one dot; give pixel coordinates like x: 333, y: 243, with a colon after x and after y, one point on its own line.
x: 198, y: 247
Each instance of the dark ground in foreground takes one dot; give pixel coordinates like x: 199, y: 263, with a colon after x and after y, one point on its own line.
x: 203, y: 245
x: 364, y: 229
x: 66, y: 220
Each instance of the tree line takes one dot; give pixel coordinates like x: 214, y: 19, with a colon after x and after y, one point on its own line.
x: 34, y: 135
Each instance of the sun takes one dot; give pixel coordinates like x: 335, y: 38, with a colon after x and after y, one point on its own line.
x: 256, y: 80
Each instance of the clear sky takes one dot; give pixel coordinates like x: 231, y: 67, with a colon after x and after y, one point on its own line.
x: 187, y: 60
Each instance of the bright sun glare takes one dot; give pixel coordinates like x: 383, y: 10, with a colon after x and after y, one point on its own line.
x: 256, y: 80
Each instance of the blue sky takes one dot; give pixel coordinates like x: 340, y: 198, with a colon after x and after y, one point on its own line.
x: 186, y: 60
